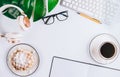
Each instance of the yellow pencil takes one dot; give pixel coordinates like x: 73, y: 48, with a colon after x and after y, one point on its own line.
x: 90, y: 18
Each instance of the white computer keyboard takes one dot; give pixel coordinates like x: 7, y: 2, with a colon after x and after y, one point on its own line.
x: 106, y: 11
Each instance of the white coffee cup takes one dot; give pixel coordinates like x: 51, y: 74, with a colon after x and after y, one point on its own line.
x: 104, y: 48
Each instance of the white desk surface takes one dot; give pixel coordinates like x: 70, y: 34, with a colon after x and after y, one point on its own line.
x: 69, y: 39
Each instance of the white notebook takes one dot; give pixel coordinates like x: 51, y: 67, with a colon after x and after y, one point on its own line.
x: 68, y: 68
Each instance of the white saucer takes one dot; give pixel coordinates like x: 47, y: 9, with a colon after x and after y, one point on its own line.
x: 96, y: 45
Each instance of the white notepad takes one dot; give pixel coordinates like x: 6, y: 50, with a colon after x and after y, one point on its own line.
x: 62, y: 67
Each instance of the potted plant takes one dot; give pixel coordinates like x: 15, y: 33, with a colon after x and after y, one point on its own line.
x: 33, y: 8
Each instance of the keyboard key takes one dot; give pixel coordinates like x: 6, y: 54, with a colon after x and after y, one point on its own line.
x: 75, y: 7
x: 67, y: 1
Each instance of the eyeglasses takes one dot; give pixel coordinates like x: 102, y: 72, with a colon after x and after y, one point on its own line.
x: 61, y: 16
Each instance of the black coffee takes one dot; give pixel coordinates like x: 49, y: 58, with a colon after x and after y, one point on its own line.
x: 107, y: 50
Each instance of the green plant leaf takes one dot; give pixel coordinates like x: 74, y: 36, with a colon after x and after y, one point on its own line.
x: 39, y: 9
x: 12, y: 13
x: 52, y: 4
x: 27, y: 6
x: 1, y: 3
x: 15, y: 2
x: 5, y: 2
